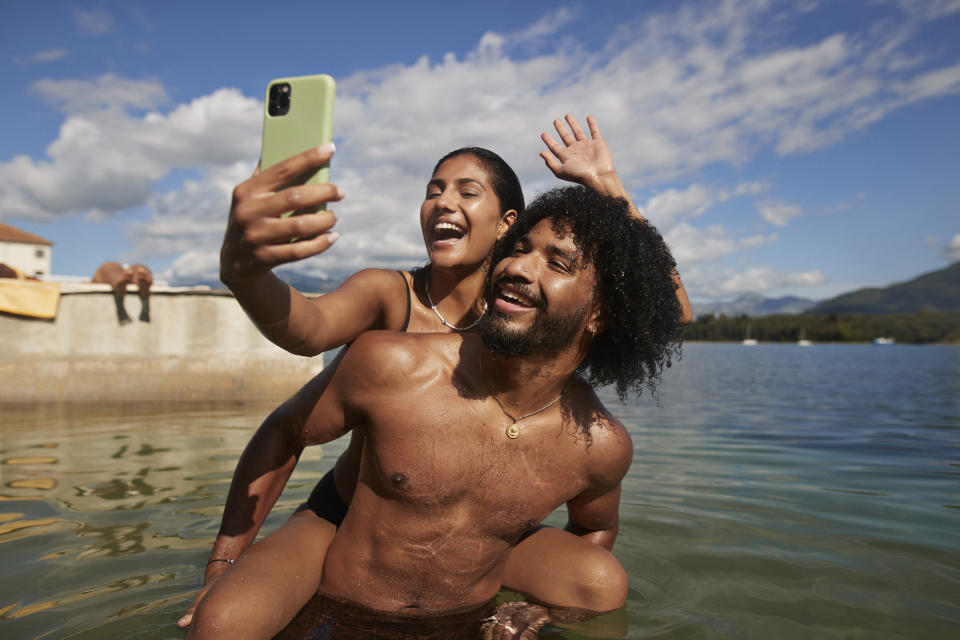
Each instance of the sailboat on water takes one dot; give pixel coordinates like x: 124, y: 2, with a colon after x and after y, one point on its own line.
x: 803, y: 342
x: 747, y: 340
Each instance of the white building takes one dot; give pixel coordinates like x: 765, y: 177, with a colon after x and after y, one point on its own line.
x: 24, y: 251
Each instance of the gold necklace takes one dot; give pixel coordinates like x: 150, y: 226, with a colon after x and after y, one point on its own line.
x: 443, y: 321
x: 513, y: 431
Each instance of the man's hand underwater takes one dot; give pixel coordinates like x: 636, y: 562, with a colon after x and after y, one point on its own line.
x: 520, y: 620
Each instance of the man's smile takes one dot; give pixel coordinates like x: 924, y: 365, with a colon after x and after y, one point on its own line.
x: 512, y: 298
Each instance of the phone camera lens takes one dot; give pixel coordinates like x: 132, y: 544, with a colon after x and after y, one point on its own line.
x: 278, y: 102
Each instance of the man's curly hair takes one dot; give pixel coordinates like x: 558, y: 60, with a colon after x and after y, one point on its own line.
x: 638, y: 297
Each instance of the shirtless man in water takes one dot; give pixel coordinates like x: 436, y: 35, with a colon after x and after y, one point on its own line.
x: 473, y: 440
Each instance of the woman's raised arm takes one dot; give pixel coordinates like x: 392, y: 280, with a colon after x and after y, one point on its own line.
x: 588, y: 161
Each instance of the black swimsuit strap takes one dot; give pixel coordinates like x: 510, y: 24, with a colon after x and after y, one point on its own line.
x: 406, y: 321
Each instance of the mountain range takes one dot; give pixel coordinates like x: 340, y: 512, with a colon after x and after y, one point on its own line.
x: 754, y: 304
x: 934, y: 291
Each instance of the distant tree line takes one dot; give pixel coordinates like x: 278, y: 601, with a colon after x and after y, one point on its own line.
x: 923, y: 327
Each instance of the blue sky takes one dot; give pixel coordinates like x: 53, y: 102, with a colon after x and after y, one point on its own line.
x: 803, y: 148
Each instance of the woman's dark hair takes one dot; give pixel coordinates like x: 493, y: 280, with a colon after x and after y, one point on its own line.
x: 502, y: 178
x: 638, y: 297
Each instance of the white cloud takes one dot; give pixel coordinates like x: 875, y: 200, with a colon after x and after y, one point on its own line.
x: 108, y: 91
x: 751, y: 188
x: 190, y: 217
x: 760, y: 279
x: 933, y: 83
x: 930, y: 9
x: 545, y: 26
x: 732, y: 283
x: 838, y: 207
x: 952, y: 251
x: 777, y: 212
x: 692, y: 246
x: 47, y: 55
x: 94, y: 22
x: 106, y: 160
x: 668, y: 207
x: 193, y: 265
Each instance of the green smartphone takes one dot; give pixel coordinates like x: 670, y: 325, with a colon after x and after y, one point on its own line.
x: 298, y: 115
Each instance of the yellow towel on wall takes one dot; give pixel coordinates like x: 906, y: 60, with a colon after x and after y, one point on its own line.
x: 29, y: 298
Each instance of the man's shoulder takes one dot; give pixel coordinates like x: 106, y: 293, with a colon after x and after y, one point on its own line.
x: 609, y: 448
x: 589, y: 410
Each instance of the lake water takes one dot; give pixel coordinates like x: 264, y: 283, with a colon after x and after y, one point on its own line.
x: 776, y: 492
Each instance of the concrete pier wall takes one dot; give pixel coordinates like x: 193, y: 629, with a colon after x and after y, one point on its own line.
x: 199, y: 346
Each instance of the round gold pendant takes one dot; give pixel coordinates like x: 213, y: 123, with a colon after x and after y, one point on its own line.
x: 513, y: 431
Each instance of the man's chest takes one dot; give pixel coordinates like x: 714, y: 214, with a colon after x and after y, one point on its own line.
x: 459, y: 455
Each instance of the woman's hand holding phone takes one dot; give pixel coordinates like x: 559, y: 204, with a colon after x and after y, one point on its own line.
x: 258, y: 238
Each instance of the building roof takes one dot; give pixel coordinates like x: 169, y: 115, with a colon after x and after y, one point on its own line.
x: 12, y: 234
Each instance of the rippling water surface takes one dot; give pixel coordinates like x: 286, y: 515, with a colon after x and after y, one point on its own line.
x: 776, y: 492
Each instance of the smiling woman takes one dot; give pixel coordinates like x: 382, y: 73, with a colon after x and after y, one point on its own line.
x: 455, y: 206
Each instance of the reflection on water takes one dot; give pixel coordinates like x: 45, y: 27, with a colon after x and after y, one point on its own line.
x: 107, y: 513
x: 777, y: 492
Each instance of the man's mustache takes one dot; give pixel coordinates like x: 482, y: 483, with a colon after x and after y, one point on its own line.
x: 523, y: 288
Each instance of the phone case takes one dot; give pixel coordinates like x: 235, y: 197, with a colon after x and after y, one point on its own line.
x: 308, y: 123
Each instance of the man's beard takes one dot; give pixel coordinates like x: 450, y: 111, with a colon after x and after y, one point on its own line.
x: 548, y: 335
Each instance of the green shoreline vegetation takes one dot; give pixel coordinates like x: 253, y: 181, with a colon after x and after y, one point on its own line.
x: 922, y: 327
